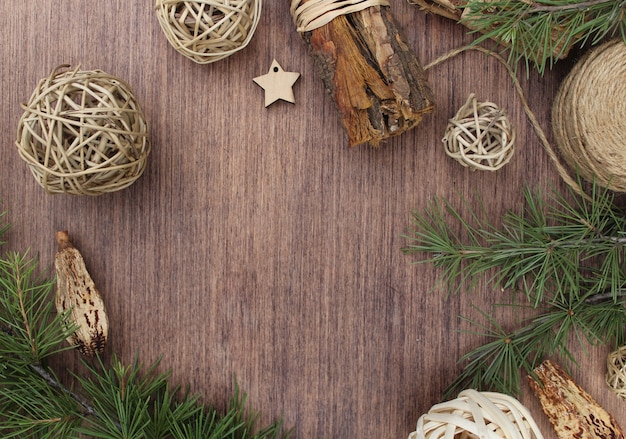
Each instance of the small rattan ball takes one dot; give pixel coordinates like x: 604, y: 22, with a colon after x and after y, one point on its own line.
x: 616, y: 372
x: 477, y: 415
x: 206, y: 31
x: 83, y: 133
x: 480, y: 136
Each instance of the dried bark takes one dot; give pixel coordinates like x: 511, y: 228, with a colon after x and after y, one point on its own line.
x: 572, y: 411
x: 376, y: 81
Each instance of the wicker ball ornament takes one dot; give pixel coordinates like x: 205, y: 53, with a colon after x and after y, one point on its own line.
x: 474, y: 414
x: 480, y: 136
x: 83, y: 133
x: 206, y: 31
x: 616, y: 372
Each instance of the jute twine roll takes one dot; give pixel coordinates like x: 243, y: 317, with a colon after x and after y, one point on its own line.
x: 616, y: 372
x: 480, y: 136
x: 476, y: 414
x: 206, y: 31
x: 83, y: 133
x: 589, y: 116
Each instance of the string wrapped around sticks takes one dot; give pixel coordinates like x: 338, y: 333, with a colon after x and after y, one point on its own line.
x: 310, y: 15
x: 375, y: 79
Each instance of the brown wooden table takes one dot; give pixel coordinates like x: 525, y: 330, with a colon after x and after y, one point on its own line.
x: 257, y: 244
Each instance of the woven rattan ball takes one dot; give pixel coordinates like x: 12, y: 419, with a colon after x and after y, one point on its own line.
x: 477, y: 415
x: 616, y: 372
x: 206, y: 31
x: 480, y: 136
x: 83, y: 133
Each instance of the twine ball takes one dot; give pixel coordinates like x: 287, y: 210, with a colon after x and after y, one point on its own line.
x: 476, y: 414
x: 206, y: 31
x: 480, y: 136
x: 83, y: 133
x: 616, y: 372
x: 589, y: 116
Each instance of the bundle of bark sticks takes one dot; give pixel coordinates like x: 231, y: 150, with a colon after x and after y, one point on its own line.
x: 369, y: 69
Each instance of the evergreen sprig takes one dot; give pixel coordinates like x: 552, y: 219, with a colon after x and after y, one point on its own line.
x: 539, y: 31
x: 565, y: 254
x: 4, y: 227
x: 112, y: 400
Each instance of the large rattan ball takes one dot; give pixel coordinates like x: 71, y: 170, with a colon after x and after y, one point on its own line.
x: 206, y: 31
x: 477, y: 415
x: 480, y: 136
x: 83, y: 133
x: 616, y: 372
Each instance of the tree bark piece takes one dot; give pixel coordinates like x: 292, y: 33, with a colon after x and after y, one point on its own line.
x: 572, y: 411
x: 376, y: 81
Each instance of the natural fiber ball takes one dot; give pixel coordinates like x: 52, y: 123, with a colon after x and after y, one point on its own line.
x: 83, y: 133
x: 206, y: 31
x: 477, y: 415
x: 589, y: 116
x: 480, y: 136
x: 616, y: 372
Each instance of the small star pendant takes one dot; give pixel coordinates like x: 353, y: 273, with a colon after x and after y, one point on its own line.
x: 277, y: 84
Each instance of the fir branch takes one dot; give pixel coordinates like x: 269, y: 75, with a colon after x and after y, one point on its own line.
x: 540, y: 31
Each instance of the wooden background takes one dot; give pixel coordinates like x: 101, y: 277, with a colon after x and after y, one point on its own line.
x: 257, y: 243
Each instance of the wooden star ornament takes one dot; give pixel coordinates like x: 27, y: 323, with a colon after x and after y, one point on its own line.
x: 277, y: 84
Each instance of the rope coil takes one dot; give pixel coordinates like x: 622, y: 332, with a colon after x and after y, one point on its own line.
x: 589, y: 116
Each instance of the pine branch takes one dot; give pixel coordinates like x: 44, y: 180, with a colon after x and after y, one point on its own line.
x: 3, y: 227
x: 56, y: 384
x: 568, y: 259
x: 29, y: 332
x: 547, y: 252
x: 496, y: 364
x: 539, y: 31
x: 115, y: 401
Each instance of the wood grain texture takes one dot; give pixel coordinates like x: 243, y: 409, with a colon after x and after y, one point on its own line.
x: 257, y: 243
